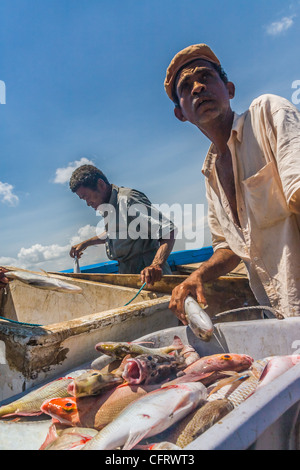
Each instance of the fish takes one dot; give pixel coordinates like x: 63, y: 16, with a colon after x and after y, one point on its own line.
x: 164, y: 445
x: 202, y: 419
x: 276, y: 366
x: 198, y: 320
x: 148, y: 416
x: 248, y: 383
x: 151, y: 368
x: 93, y: 382
x: 95, y: 411
x: 30, y: 404
x: 119, y: 350
x: 209, y: 368
x: 43, y: 282
x: 190, y: 354
x: 68, y: 438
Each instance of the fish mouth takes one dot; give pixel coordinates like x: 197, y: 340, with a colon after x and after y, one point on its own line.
x: 133, y: 373
x: 205, y: 335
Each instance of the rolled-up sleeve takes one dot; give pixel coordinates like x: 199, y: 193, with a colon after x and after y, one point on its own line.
x: 218, y: 239
x: 286, y: 136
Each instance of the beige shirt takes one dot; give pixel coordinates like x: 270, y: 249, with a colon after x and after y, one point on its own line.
x: 265, y: 149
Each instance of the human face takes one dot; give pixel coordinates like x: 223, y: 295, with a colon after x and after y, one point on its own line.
x: 202, y: 94
x: 93, y: 198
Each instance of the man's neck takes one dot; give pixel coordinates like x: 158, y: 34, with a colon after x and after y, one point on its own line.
x: 218, y: 132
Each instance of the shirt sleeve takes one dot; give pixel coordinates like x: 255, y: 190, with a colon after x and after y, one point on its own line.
x: 285, y: 140
x: 218, y: 239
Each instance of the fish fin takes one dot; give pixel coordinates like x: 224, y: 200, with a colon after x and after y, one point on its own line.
x: 124, y: 384
x: 134, y: 439
x: 231, y: 373
x: 233, y: 377
x: 177, y: 343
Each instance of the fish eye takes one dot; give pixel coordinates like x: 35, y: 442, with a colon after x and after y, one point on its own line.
x: 68, y: 406
x: 226, y: 356
x: 150, y: 358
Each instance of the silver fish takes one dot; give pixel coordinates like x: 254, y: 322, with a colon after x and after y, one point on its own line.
x: 149, y: 415
x: 43, y: 282
x: 72, y: 438
x: 199, y: 322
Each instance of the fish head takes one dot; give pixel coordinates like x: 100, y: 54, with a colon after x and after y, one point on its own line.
x: 203, y: 333
x: 117, y: 350
x: 198, y: 320
x: 63, y: 409
x: 92, y: 383
x: 231, y: 361
x: 136, y: 370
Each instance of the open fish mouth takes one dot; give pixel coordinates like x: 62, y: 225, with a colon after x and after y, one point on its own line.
x: 133, y: 372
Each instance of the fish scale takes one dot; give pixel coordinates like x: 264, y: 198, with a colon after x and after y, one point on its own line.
x: 30, y: 404
x: 243, y: 390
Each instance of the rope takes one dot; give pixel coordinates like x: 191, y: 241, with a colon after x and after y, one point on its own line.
x: 19, y: 322
x: 34, y: 324
x: 242, y: 309
x: 136, y: 294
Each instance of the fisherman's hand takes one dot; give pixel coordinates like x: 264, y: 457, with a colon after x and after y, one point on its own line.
x: 76, y: 250
x: 3, y: 280
x: 151, y: 274
x: 191, y: 286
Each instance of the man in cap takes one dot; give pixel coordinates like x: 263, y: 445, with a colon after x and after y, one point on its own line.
x: 136, y: 234
x: 252, y: 177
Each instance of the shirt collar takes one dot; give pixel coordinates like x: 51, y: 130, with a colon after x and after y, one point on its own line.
x: 236, y: 132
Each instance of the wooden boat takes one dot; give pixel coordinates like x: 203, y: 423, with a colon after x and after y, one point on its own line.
x: 71, y: 324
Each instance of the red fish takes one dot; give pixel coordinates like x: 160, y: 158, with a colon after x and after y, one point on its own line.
x: 97, y: 411
x: 208, y: 368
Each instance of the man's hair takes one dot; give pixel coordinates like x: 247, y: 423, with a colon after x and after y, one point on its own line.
x: 87, y: 176
x: 217, y: 67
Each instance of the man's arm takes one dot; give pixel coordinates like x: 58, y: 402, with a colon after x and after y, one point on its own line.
x: 221, y: 262
x: 77, y: 250
x: 3, y: 280
x: 153, y: 273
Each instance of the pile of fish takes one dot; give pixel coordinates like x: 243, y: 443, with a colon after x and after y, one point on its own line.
x: 146, y: 397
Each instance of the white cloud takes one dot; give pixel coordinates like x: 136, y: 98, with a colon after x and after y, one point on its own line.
x: 63, y: 175
x: 280, y: 26
x: 6, y: 194
x: 56, y: 257
x: 39, y: 253
x: 84, y: 233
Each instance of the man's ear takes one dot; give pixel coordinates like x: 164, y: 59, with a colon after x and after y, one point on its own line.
x: 101, y: 185
x: 231, y: 89
x: 179, y: 114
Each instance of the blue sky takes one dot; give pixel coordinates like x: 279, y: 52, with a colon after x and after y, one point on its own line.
x: 84, y: 80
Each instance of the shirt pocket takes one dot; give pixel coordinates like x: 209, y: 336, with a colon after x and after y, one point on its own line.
x: 264, y: 196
